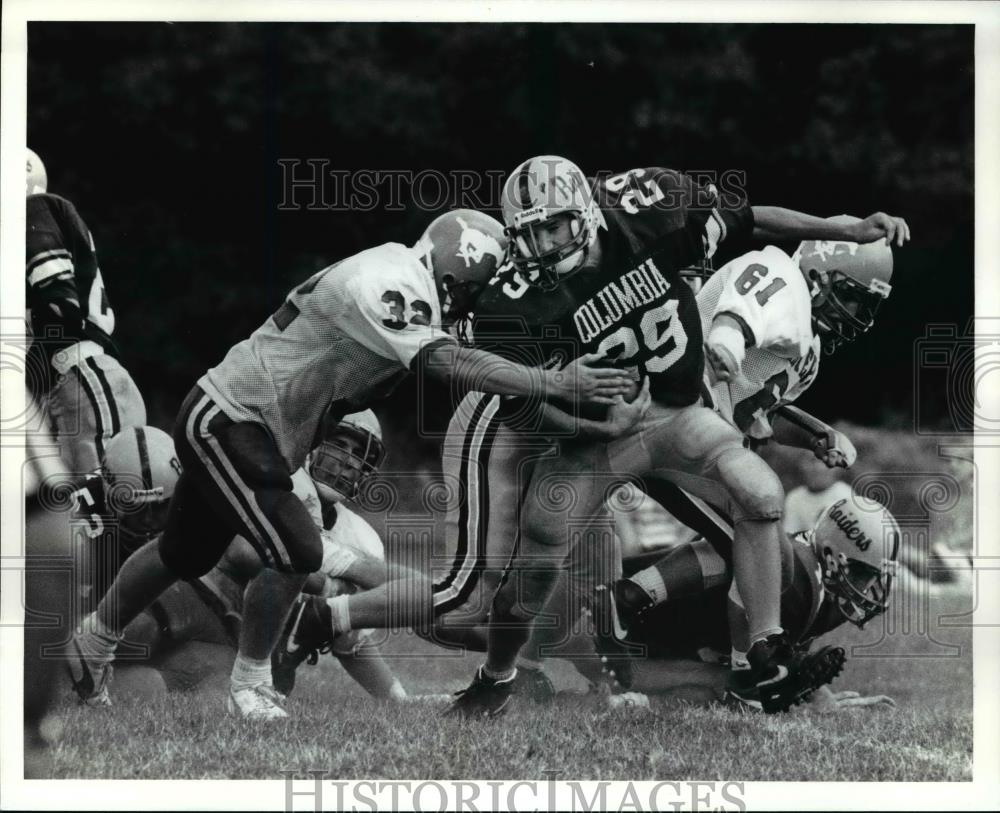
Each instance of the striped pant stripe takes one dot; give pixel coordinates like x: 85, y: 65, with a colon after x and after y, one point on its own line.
x: 260, y: 532
x: 98, y: 405
x: 454, y: 589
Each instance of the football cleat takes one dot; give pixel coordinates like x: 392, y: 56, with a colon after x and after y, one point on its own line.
x: 775, y: 671
x: 631, y: 600
x: 484, y: 698
x: 617, y: 655
x: 88, y: 661
x: 307, y: 634
x: 261, y: 702
x: 821, y: 667
x: 534, y: 684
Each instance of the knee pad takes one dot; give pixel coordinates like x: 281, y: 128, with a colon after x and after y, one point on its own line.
x: 755, y: 489
x: 299, y: 535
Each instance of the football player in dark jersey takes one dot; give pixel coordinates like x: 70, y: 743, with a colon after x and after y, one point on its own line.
x: 839, y: 571
x: 73, y: 362
x: 599, y: 262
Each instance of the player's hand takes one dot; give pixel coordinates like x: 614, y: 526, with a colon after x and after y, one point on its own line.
x: 880, y: 225
x: 624, y: 418
x: 581, y: 381
x: 722, y: 365
x: 836, y: 450
x: 825, y: 701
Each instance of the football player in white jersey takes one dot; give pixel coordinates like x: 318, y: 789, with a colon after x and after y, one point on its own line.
x: 340, y: 341
x: 768, y: 319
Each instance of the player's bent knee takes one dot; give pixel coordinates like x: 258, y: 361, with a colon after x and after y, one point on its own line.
x: 756, y: 491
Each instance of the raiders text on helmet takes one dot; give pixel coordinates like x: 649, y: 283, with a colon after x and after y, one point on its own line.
x: 463, y: 249
x: 539, y: 192
x: 38, y: 179
x: 349, y: 454
x: 857, y: 542
x: 140, y: 471
x: 847, y: 282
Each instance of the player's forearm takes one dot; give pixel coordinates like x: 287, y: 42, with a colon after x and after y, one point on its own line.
x: 796, y: 427
x: 467, y: 369
x: 778, y: 223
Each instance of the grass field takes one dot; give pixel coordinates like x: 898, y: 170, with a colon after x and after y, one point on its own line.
x: 335, y: 727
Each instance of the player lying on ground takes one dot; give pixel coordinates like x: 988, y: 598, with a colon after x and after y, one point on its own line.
x: 191, y: 631
x: 341, y: 340
x: 839, y: 571
x: 599, y: 262
x: 73, y: 363
x: 768, y: 319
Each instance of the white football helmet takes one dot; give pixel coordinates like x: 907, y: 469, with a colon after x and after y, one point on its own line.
x: 540, y: 190
x: 857, y: 544
x: 847, y: 282
x: 462, y: 249
x: 349, y: 454
x: 38, y: 179
x: 140, y: 471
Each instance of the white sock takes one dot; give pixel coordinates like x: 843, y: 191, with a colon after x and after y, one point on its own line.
x: 340, y: 614
x: 248, y: 672
x: 651, y: 583
x: 499, y: 675
x: 100, y: 640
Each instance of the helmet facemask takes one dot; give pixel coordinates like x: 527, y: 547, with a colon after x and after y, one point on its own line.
x: 842, y: 308
x: 348, y: 458
x: 860, y: 591
x: 546, y: 269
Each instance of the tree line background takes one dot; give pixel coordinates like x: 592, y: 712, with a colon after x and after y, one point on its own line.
x: 167, y: 137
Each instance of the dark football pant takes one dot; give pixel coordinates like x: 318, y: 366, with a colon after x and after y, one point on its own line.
x: 235, y: 482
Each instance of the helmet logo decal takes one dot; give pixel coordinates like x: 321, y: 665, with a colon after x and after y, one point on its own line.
x: 825, y: 249
x: 474, y: 244
x: 848, y: 523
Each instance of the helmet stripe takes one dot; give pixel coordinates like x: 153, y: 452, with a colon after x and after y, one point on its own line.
x: 524, y: 189
x: 147, y: 473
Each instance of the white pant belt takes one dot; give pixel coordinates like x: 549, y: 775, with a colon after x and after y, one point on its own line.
x: 71, y: 356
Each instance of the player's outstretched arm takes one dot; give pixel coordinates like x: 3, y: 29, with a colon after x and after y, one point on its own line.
x: 578, y: 382
x: 778, y: 223
x: 826, y: 701
x: 622, y: 419
x: 796, y: 427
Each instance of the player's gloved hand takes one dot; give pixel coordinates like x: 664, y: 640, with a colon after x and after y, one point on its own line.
x: 881, y: 225
x: 582, y: 381
x: 836, y: 450
x: 826, y: 701
x: 623, y: 417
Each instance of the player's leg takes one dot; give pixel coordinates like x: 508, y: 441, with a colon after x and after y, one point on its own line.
x: 491, y: 466
x: 243, y: 459
x: 564, y: 498
x: 706, y: 457
x: 91, y: 403
x: 685, y: 569
x: 195, y: 535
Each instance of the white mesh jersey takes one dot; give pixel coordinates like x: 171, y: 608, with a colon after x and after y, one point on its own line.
x: 766, y: 293
x: 342, y: 340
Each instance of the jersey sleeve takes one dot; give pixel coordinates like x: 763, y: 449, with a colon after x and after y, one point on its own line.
x: 50, y: 273
x: 395, y: 315
x: 765, y: 293
x: 667, y: 206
